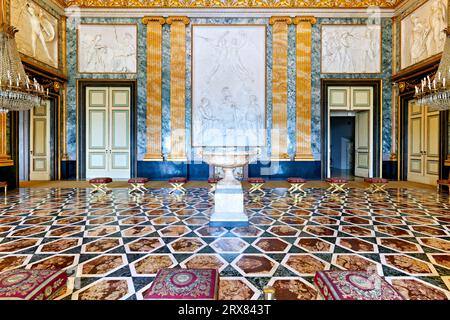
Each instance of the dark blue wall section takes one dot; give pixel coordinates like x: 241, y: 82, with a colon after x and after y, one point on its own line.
x: 280, y: 170
x: 163, y: 170
x: 69, y: 170
x: 390, y: 170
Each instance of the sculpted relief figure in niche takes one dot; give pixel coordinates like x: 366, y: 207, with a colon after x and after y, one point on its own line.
x: 107, y: 48
x: 351, y: 49
x: 422, y: 32
x: 228, y: 85
x: 38, y: 31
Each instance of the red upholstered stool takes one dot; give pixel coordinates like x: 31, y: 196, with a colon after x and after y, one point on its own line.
x: 4, y: 185
x: 337, y: 184
x: 100, y: 185
x: 377, y: 184
x: 440, y: 183
x: 21, y: 284
x: 256, y: 184
x: 352, y: 285
x: 296, y: 185
x: 213, y: 184
x: 191, y: 284
x: 177, y: 184
x: 137, y: 185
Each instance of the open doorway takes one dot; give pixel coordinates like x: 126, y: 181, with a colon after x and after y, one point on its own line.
x: 342, y: 146
x: 351, y: 128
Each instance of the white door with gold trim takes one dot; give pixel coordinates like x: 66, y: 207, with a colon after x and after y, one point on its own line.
x: 108, y: 132
x: 423, y: 144
x: 362, y: 144
x: 40, y: 142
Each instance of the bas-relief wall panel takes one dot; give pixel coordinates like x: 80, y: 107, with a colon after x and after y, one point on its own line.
x: 141, y: 80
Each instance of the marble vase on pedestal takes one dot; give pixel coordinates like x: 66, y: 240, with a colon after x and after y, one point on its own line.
x: 229, y: 203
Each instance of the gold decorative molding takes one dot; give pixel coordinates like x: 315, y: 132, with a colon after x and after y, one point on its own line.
x: 64, y: 44
x: 447, y: 162
x: 154, y: 87
x: 174, y: 19
x: 64, y: 154
x: 5, y: 158
x: 177, y: 87
x: 280, y: 19
x: 279, y: 87
x: 303, y: 150
x: 267, y: 4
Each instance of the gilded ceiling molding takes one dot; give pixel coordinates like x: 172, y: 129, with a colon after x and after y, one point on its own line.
x: 267, y: 4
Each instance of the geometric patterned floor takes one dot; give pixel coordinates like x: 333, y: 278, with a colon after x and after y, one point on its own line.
x: 112, y: 248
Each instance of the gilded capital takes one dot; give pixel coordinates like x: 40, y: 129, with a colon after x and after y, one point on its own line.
x: 148, y: 19
x: 312, y: 20
x: 185, y: 20
x: 280, y: 19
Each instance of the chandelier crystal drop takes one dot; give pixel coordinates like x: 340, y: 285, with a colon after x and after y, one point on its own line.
x: 17, y: 91
x: 434, y: 93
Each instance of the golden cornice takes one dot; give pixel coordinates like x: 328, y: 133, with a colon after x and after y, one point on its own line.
x: 280, y: 19
x: 160, y: 20
x: 269, y: 4
x: 312, y: 20
x: 182, y: 19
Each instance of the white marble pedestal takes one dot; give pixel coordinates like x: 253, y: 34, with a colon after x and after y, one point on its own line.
x: 229, y: 207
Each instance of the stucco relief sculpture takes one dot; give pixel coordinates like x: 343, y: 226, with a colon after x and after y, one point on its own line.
x: 422, y: 32
x: 228, y: 85
x: 351, y: 48
x: 107, y: 48
x: 38, y: 31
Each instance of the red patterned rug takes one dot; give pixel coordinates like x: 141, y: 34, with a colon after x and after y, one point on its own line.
x: 20, y: 284
x: 351, y: 285
x: 192, y: 284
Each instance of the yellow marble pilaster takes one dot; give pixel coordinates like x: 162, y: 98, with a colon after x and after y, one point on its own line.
x: 303, y: 150
x: 279, y: 87
x: 154, y: 87
x: 177, y: 87
x: 5, y: 159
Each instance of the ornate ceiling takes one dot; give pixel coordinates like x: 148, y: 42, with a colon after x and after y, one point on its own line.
x: 291, y: 4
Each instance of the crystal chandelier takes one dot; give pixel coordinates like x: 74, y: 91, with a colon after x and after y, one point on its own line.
x: 17, y: 92
x: 434, y: 92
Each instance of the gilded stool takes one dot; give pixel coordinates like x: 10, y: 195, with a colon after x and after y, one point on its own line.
x: 177, y: 184
x: 256, y: 184
x: 377, y: 184
x: 100, y: 185
x: 137, y: 185
x: 296, y: 185
x: 337, y: 184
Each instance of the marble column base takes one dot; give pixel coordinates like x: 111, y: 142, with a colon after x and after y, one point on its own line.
x: 229, y: 208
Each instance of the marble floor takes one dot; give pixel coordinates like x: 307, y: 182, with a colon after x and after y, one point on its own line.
x: 112, y: 247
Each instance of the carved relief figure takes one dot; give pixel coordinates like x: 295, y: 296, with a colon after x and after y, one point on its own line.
x: 38, y: 31
x: 351, y: 49
x: 422, y: 32
x: 228, y: 85
x: 107, y: 48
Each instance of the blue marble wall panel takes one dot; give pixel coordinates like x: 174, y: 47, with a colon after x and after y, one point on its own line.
x: 140, y: 77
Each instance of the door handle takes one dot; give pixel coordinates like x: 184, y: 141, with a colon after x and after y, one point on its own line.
x: 31, y: 152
